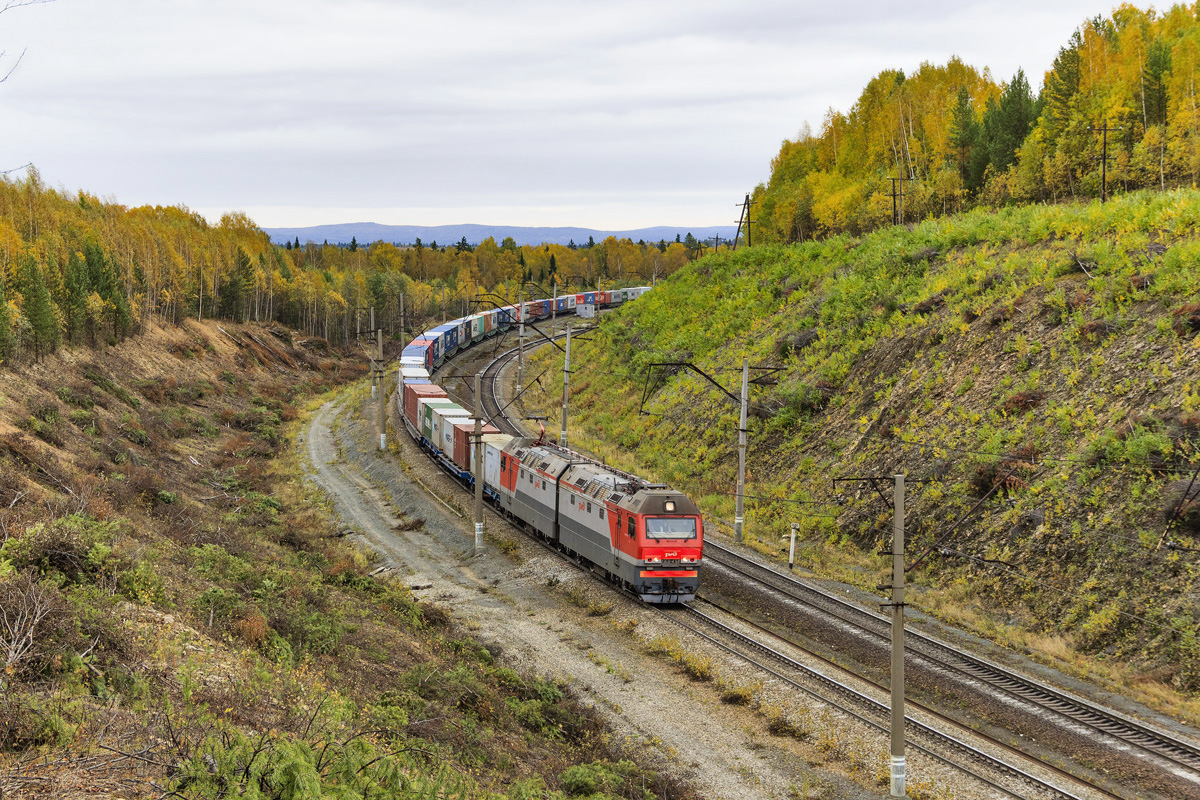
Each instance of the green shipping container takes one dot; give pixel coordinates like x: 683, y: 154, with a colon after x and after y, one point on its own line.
x: 427, y: 415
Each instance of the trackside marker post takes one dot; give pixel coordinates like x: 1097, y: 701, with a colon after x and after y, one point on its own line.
x: 792, y: 547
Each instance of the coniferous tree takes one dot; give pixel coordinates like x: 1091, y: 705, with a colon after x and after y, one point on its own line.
x: 75, y: 297
x: 964, y: 132
x: 39, y: 309
x: 6, y: 335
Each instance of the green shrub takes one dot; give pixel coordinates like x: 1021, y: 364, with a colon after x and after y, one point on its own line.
x: 141, y: 584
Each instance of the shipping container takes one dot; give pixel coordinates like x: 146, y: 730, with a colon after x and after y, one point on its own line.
x: 618, y: 296
x: 438, y: 417
x: 589, y: 298
x: 493, y: 443
x: 463, y: 433
x: 448, y: 333
x: 420, y: 348
x: 437, y: 341
x: 413, y: 375
x: 603, y: 298
x: 415, y: 391
x: 560, y: 304
x: 571, y: 301
x: 476, y: 325
x: 425, y: 409
x: 446, y: 431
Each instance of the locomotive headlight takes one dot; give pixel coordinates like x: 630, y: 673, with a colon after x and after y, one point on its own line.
x: 654, y: 560
x: 669, y: 506
x: 686, y: 560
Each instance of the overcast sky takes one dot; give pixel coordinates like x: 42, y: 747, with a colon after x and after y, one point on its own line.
x: 605, y: 114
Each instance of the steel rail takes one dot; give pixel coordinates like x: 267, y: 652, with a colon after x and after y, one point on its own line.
x: 876, y: 708
x: 1118, y: 727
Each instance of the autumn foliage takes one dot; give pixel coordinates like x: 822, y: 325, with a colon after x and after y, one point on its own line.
x: 959, y: 139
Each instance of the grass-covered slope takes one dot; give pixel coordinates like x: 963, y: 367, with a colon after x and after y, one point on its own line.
x: 1038, y: 369
x: 180, y: 617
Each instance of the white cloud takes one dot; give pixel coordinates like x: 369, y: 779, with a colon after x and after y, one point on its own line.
x: 525, y: 112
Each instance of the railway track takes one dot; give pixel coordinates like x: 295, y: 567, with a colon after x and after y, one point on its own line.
x: 1120, y: 730
x: 939, y: 746
x: 1180, y: 755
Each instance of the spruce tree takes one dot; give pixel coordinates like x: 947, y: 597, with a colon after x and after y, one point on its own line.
x: 76, y: 293
x: 6, y: 335
x: 39, y: 309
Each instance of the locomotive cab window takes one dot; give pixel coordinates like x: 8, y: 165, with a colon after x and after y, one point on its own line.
x: 670, y: 527
x: 601, y: 513
x: 632, y: 526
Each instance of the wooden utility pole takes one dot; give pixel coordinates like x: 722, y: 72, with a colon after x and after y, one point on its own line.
x: 744, y: 219
x: 898, y: 199
x: 1103, y: 131
x: 738, y: 518
x: 562, y: 434
x: 897, y: 604
x: 479, y: 472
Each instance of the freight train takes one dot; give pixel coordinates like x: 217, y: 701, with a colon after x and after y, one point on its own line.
x: 644, y: 536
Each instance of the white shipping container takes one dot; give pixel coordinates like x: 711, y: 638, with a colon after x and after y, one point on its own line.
x: 446, y: 435
x: 493, y: 443
x: 440, y: 415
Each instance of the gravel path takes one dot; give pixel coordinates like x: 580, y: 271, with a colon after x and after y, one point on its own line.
x: 519, y: 604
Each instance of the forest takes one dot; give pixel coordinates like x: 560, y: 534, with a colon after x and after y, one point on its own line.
x: 81, y: 271
x: 950, y: 138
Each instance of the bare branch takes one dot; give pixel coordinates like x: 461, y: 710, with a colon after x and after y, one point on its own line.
x: 23, y: 606
x: 19, y: 3
x: 13, y: 68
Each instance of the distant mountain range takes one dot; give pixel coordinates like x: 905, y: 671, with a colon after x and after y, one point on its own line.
x: 367, y: 232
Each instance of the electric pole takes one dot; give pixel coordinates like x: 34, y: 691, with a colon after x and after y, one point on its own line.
x: 562, y: 434
x: 520, y: 338
x: 744, y: 218
x: 897, y: 604
x: 738, y: 518
x: 898, y: 199
x: 372, y: 359
x: 382, y: 390
x: 1103, y: 131
x: 479, y: 473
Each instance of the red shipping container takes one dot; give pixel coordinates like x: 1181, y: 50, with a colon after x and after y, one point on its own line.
x: 415, y: 391
x: 462, y: 443
x: 603, y: 298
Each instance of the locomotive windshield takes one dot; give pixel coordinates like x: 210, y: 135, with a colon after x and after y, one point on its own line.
x: 670, y: 527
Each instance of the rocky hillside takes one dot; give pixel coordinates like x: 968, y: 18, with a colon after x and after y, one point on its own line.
x: 1035, y: 373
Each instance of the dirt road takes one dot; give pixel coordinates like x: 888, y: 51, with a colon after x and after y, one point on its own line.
x: 518, y: 603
